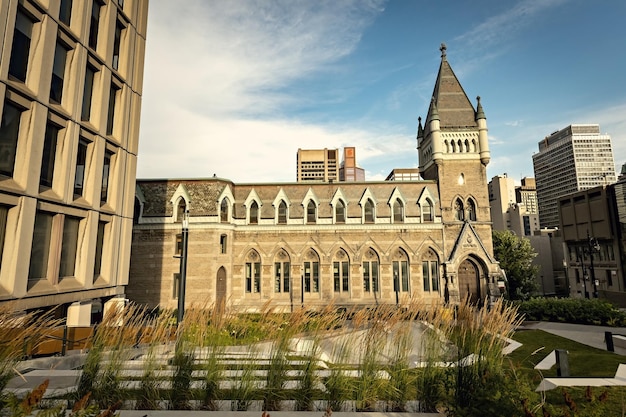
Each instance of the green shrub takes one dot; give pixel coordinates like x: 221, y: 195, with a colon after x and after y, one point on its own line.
x: 572, y: 310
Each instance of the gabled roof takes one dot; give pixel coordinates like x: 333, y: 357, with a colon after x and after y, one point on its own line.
x: 449, y: 99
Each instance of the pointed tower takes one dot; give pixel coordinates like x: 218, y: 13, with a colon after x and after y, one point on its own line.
x: 454, y: 151
x: 453, y: 146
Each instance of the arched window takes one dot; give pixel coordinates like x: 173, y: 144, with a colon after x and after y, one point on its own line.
x: 282, y: 212
x: 430, y: 271
x: 180, y: 210
x: 370, y: 271
x: 340, y: 212
x: 400, y: 266
x: 254, y: 213
x: 368, y: 211
x: 253, y: 272
x: 427, y: 211
x: 224, y: 211
x: 311, y: 212
x: 471, y: 210
x: 459, y: 213
x: 311, y: 276
x: 341, y: 272
x: 282, y: 272
x: 398, y: 211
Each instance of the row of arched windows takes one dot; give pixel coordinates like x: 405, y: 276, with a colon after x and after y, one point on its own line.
x: 342, y: 279
x: 465, y: 211
x: 340, y: 211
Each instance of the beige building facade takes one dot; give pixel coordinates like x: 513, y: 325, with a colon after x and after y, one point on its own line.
x: 342, y: 243
x: 71, y: 75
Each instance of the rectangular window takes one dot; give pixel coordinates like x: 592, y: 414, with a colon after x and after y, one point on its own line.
x: 40, y: 249
x: 81, y: 161
x: 430, y: 275
x: 65, y: 12
x: 281, y: 277
x: 95, y: 22
x: 97, y: 264
x: 223, y: 241
x: 18, y: 65
x: 311, y: 276
x: 434, y: 275
x: 69, y: 246
x: 4, y: 212
x: 58, y: 72
x: 49, y: 150
x: 119, y: 27
x: 253, y: 277
x: 9, y: 132
x: 178, y: 249
x: 90, y: 74
x: 370, y: 276
x: 113, y: 94
x: 106, y: 172
x: 175, y: 285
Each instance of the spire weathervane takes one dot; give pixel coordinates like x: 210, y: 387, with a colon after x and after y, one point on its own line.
x: 443, y: 49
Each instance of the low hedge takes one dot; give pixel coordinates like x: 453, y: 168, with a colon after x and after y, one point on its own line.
x: 572, y: 310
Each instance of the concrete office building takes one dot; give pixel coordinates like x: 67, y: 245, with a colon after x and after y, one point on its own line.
x: 349, y: 170
x: 513, y: 207
x: 572, y: 159
x: 346, y: 243
x: 593, y: 224
x: 71, y: 75
x: 317, y: 165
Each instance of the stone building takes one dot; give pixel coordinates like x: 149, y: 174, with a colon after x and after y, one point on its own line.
x: 350, y: 244
x: 71, y: 75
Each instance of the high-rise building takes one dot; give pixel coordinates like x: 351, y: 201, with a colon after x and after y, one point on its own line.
x: 349, y: 170
x: 71, y: 75
x: 572, y: 159
x: 513, y: 207
x: 317, y: 165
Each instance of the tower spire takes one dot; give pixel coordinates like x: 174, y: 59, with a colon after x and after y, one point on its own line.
x: 443, y: 49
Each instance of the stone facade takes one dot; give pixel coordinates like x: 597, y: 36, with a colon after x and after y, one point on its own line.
x: 311, y: 244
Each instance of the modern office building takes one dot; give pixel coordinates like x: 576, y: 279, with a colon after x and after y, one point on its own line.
x: 593, y: 224
x: 349, y: 170
x: 71, y: 75
x: 318, y: 243
x: 572, y: 159
x: 513, y: 207
x: 404, y: 174
x: 317, y: 165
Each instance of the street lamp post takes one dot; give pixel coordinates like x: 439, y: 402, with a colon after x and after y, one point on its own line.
x: 396, y: 286
x: 183, y: 268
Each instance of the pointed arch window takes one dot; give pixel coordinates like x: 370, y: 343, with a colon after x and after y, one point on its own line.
x: 398, y: 211
x: 370, y: 272
x: 180, y: 210
x: 341, y: 272
x: 427, y: 211
x: 400, y: 266
x: 224, y: 211
x: 282, y: 269
x: 282, y: 212
x: 254, y: 213
x: 253, y: 273
x: 311, y: 276
x: 471, y: 210
x: 459, y: 212
x: 311, y: 212
x: 430, y: 272
x: 368, y: 212
x: 340, y: 212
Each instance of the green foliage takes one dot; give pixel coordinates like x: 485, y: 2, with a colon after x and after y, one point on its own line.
x: 181, y: 380
x: 572, y: 310
x: 515, y: 255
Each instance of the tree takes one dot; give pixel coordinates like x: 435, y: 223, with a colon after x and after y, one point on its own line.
x: 515, y: 256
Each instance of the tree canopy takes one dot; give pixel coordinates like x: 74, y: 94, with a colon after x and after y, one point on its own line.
x: 515, y: 255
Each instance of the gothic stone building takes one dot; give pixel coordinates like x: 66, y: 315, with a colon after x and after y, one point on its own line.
x: 311, y: 244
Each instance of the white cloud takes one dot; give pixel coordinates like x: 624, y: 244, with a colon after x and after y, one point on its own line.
x: 212, y: 67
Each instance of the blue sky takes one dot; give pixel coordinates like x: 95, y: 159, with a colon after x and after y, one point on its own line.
x: 234, y: 87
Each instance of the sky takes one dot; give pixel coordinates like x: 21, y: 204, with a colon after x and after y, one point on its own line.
x: 233, y: 88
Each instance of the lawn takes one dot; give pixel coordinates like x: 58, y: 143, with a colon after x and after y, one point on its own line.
x: 584, y: 361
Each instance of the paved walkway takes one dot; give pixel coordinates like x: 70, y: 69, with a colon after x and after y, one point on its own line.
x: 589, y: 335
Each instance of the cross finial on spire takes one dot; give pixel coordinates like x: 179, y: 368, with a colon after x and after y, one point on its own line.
x: 443, y: 49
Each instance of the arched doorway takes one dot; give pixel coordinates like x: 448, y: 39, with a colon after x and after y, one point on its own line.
x: 220, y: 289
x: 469, y: 281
